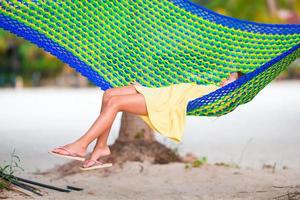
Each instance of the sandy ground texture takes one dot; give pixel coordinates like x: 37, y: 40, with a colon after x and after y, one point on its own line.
x: 145, y: 181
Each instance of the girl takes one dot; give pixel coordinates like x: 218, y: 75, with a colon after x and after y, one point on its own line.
x: 163, y: 109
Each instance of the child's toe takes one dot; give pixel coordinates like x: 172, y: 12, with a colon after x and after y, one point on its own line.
x: 56, y: 150
x: 88, y: 163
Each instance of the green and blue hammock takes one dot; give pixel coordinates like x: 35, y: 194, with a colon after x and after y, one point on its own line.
x: 157, y: 43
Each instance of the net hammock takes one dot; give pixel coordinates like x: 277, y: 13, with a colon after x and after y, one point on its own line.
x: 157, y: 43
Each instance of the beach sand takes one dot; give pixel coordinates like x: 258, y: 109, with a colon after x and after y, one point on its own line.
x: 143, y: 181
x: 264, y: 132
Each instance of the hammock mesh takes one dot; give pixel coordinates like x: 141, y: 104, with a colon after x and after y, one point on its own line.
x: 157, y: 43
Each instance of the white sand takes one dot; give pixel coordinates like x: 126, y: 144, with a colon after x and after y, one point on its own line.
x: 142, y: 181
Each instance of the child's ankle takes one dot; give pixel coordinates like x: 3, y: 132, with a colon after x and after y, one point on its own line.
x: 82, y: 145
x: 103, y: 146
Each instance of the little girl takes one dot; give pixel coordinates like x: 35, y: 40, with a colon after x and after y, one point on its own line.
x: 163, y: 109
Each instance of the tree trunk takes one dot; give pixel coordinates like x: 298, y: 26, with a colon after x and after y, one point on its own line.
x: 134, y: 128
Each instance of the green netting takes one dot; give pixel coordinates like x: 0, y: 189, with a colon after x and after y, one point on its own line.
x: 156, y: 43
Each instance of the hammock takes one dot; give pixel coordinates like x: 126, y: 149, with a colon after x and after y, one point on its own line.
x: 157, y: 43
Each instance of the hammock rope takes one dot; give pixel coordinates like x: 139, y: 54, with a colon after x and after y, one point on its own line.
x: 158, y: 43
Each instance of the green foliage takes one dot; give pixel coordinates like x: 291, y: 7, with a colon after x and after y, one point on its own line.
x: 186, y: 166
x: 7, y: 170
x: 199, y: 162
x: 140, y: 134
x: 34, y: 59
x: 19, y: 57
x: 196, y: 163
x: 252, y: 10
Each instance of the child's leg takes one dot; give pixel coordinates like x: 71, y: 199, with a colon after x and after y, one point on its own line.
x: 134, y: 103
x: 80, y: 150
x: 102, y: 139
x: 103, y: 123
x: 101, y: 147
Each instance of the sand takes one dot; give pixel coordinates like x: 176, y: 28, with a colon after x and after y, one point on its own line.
x: 264, y: 131
x: 145, y: 181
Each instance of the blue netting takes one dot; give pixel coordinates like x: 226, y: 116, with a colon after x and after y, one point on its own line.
x: 49, y: 45
x: 211, y: 97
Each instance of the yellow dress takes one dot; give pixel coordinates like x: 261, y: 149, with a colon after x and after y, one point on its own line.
x: 167, y: 105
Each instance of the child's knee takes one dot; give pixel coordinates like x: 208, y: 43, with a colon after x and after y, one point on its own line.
x: 113, y: 102
x: 107, y: 95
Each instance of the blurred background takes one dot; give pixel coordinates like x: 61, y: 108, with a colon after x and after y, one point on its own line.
x: 44, y: 103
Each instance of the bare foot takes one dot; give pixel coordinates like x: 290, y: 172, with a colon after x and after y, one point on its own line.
x: 96, y: 154
x: 73, y: 147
